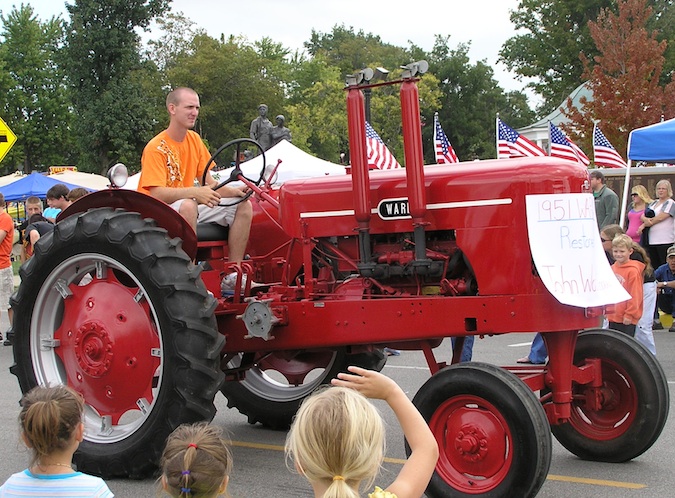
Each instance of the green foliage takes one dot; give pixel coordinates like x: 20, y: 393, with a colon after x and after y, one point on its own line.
x: 625, y: 77
x: 114, y: 101
x: 555, y: 32
x: 115, y: 118
x: 471, y: 99
x: 232, y: 79
x: 33, y: 99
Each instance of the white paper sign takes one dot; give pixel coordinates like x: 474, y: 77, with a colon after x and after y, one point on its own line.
x: 567, y: 250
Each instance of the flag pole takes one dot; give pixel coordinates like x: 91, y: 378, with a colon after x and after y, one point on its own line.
x: 497, y: 135
x: 624, y: 201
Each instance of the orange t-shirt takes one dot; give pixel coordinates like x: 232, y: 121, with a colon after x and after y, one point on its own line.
x: 7, y: 225
x: 166, y: 163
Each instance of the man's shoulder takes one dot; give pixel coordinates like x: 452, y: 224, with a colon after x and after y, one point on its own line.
x: 156, y: 139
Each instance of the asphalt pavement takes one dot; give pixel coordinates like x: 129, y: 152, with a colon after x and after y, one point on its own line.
x: 260, y: 470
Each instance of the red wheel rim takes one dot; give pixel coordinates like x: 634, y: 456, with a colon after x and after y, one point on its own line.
x: 619, y: 401
x: 475, y: 444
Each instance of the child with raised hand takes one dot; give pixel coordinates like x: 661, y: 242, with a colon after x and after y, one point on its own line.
x: 337, y: 440
x: 51, y: 426
x: 196, y: 462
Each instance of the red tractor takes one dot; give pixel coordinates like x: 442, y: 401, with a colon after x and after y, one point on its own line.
x: 123, y: 303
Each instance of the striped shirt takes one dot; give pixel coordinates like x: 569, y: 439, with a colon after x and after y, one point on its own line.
x: 72, y: 485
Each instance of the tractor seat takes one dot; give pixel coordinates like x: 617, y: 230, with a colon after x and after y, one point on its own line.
x: 211, y: 232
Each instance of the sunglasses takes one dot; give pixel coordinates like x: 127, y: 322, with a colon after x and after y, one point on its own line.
x: 633, y: 194
x: 605, y: 240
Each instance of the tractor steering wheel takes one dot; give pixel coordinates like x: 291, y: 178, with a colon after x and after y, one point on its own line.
x: 236, y: 172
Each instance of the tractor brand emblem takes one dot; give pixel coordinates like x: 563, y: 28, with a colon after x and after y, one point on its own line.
x: 394, y: 209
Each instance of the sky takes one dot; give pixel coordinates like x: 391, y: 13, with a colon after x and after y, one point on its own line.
x: 483, y: 23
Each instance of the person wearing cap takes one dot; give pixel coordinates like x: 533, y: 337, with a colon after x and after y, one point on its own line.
x: 261, y: 128
x: 665, y: 283
x: 606, y: 200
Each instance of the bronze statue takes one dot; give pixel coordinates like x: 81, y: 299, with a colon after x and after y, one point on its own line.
x: 261, y: 128
x: 280, y: 132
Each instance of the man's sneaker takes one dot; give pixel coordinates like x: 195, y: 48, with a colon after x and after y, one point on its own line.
x: 229, y: 282
x: 657, y: 325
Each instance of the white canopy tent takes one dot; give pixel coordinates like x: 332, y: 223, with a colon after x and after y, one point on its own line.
x: 88, y: 180
x: 295, y: 163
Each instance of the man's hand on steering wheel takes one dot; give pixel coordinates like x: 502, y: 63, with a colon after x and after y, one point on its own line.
x: 228, y: 191
x: 206, y: 195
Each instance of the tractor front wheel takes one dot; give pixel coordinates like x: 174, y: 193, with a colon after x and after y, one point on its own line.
x: 493, y: 436
x: 634, y: 400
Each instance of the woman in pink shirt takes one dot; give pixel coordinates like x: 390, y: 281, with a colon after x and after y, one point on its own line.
x: 640, y: 198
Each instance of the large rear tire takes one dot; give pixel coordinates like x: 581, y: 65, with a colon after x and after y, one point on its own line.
x: 275, y: 386
x: 492, y: 433
x: 635, y: 400
x: 112, y: 307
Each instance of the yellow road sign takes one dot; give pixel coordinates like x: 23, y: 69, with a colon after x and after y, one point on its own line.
x: 7, y: 139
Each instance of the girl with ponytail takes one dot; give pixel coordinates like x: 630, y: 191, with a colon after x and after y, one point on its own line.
x: 196, y: 462
x: 337, y: 440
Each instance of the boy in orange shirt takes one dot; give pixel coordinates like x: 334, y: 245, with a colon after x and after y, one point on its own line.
x: 629, y: 272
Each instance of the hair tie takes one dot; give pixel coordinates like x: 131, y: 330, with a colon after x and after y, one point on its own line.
x: 185, y: 473
x: 338, y: 478
x: 186, y: 490
x: 192, y: 445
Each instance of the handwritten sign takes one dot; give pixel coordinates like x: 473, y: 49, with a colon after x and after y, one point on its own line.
x: 567, y: 250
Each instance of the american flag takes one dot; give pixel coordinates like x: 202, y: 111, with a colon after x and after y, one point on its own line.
x: 563, y: 147
x: 378, y: 155
x: 510, y: 143
x: 603, y: 152
x: 445, y: 154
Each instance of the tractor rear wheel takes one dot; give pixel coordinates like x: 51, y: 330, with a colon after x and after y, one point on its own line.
x: 277, y: 383
x: 635, y: 400
x: 112, y: 307
x: 493, y: 436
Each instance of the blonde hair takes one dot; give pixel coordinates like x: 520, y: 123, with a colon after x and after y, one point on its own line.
x: 622, y: 240
x: 665, y: 183
x: 642, y: 193
x: 48, y: 419
x: 195, y: 461
x: 337, y: 438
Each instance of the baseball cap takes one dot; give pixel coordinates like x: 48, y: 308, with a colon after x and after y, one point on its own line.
x: 670, y: 252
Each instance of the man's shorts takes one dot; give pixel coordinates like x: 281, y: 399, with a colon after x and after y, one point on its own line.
x: 6, y: 287
x: 223, y: 214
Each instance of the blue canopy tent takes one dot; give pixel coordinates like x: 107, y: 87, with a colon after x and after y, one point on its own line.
x: 653, y: 143
x: 35, y: 184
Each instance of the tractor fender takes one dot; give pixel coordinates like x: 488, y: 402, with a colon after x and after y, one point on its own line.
x: 145, y: 205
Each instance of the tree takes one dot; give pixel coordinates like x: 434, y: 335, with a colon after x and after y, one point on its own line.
x: 116, y: 117
x: 32, y: 91
x: 351, y: 51
x: 471, y: 98
x: 624, y: 77
x: 231, y: 79
x: 555, y: 32
x: 177, y: 33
